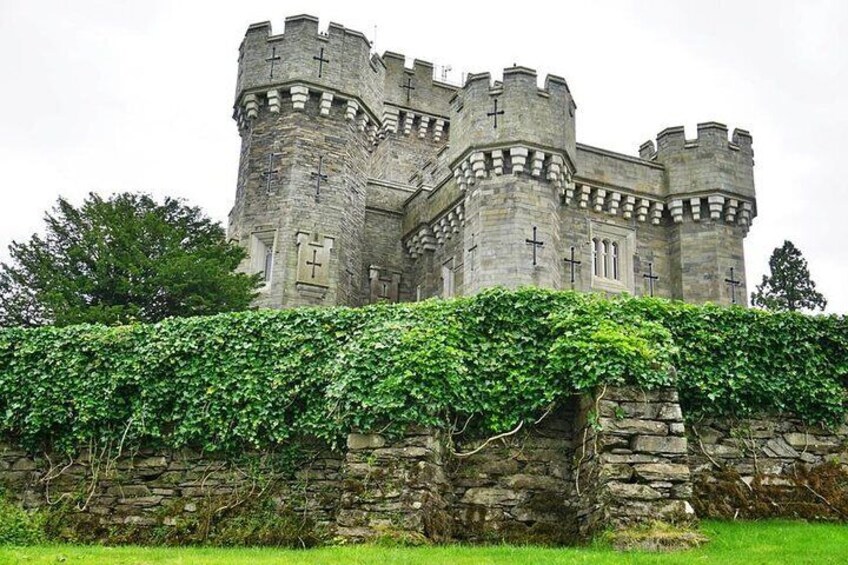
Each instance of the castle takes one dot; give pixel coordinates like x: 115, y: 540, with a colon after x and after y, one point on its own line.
x: 362, y: 180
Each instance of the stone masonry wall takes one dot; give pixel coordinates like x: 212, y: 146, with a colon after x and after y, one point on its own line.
x: 396, y: 489
x: 768, y: 467
x: 631, y: 459
x: 612, y: 459
x: 520, y: 489
x: 153, y: 488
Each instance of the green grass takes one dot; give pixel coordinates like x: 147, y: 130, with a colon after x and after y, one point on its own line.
x: 748, y: 543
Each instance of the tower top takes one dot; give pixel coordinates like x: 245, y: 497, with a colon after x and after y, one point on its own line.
x: 338, y: 60
x: 514, y: 110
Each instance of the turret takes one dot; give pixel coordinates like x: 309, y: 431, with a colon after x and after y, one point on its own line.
x: 514, y: 111
x: 513, y: 152
x: 308, y: 106
x: 711, y: 198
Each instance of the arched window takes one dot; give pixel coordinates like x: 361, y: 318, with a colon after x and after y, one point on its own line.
x: 606, y: 259
x: 615, y: 267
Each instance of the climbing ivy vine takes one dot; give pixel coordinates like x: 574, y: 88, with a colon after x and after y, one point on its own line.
x: 254, y: 380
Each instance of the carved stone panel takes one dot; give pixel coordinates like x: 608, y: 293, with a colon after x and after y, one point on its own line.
x: 313, y: 259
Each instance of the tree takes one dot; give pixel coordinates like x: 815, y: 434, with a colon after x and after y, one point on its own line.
x: 789, y: 287
x: 125, y: 259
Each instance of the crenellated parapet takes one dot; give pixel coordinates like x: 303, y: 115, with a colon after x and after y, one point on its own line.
x: 414, y: 88
x: 514, y: 113
x: 338, y: 62
x: 709, y: 177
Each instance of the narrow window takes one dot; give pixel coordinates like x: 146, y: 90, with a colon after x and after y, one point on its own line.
x: 596, y: 259
x: 269, y: 264
x: 262, y: 255
x: 615, y: 267
x: 606, y: 259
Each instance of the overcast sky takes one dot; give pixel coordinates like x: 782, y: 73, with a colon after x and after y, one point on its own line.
x: 110, y: 96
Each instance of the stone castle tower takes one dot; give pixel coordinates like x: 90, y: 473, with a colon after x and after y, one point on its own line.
x: 362, y: 180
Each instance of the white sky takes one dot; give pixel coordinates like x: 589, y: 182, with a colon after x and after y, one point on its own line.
x: 115, y: 95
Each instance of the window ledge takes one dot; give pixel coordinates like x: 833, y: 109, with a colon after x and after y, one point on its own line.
x: 608, y: 285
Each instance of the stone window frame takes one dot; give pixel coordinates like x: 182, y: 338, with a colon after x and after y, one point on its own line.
x: 615, y: 246
x: 448, y: 279
x: 263, y: 249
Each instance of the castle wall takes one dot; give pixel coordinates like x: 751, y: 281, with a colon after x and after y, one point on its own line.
x: 382, y: 250
x: 603, y: 168
x: 501, y: 213
x: 705, y: 252
x: 351, y: 68
x: 408, y: 158
x: 542, y: 117
x: 709, y: 163
x: 650, y: 246
x: 427, y: 95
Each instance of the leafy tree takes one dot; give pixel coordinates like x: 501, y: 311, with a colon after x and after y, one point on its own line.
x: 789, y: 287
x: 128, y: 258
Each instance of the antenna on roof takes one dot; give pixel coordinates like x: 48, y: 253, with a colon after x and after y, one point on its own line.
x: 445, y: 70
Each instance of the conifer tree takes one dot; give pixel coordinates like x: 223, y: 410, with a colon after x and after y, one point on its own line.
x: 789, y: 286
x: 119, y: 260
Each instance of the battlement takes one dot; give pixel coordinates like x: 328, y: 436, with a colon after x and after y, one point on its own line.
x: 710, y: 134
x: 710, y: 168
x: 338, y: 60
x: 415, y: 87
x: 514, y: 109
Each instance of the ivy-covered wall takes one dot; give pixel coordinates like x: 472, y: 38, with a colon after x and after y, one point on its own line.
x: 271, y: 397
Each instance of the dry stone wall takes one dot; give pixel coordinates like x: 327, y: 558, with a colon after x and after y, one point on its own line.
x: 769, y: 467
x: 614, y: 458
x: 632, y: 460
x: 396, y: 489
x: 519, y: 489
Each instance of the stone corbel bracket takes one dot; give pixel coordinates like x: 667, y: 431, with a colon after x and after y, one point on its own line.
x: 537, y: 163
x: 730, y: 209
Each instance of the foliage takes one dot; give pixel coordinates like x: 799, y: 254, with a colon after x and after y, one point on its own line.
x: 789, y: 286
x: 265, y: 378
x: 19, y: 527
x: 606, y: 346
x: 257, y: 521
x: 120, y: 260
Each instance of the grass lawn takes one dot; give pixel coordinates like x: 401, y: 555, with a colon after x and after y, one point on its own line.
x: 748, y: 543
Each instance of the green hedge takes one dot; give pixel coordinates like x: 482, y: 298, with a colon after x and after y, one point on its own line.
x: 258, y: 379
